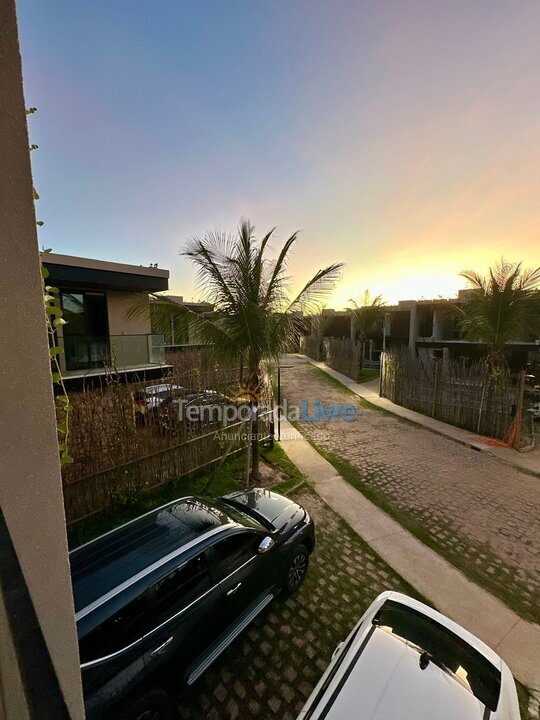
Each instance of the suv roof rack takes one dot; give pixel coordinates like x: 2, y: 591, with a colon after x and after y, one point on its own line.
x: 105, y: 566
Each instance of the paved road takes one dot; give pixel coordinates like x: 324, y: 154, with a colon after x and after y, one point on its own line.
x: 482, y: 515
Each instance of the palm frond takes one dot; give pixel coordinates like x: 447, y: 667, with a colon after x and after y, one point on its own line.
x: 161, y: 311
x: 253, y: 316
x: 277, y: 277
x: 475, y: 280
x: 368, y: 315
x: 316, y: 290
x: 502, y: 306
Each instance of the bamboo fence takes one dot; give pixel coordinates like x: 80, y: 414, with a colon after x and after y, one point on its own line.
x: 345, y: 356
x: 310, y: 345
x: 464, y: 394
x: 119, y: 453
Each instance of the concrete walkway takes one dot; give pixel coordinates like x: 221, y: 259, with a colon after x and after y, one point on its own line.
x: 528, y: 461
x: 516, y: 640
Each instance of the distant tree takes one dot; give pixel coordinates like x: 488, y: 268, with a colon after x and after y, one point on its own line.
x: 254, y: 318
x: 502, y: 306
x: 319, y: 322
x: 367, y: 315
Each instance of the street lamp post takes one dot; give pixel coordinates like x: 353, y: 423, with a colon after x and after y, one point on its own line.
x: 279, y: 402
x: 386, y: 327
x: 279, y: 368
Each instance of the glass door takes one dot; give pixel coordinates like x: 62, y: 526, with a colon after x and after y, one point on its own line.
x: 86, y: 333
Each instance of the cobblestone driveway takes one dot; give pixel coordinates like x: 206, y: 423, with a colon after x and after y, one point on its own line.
x: 272, y: 668
x: 482, y: 515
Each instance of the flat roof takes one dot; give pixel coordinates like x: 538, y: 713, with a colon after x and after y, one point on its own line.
x: 78, y: 272
x: 92, y: 263
x: 191, y: 304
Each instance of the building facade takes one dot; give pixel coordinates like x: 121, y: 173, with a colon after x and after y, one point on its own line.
x: 427, y: 328
x: 99, y: 336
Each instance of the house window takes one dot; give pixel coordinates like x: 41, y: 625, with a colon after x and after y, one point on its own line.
x: 86, y: 333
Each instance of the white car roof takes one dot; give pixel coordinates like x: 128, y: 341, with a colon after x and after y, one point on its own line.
x: 376, y: 675
x: 387, y: 683
x: 154, y: 389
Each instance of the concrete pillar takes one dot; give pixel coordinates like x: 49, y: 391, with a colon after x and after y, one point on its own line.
x: 39, y: 664
x: 446, y: 359
x: 439, y: 322
x: 413, y: 328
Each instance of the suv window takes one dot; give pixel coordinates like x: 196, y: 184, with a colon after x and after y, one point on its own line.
x: 181, y: 586
x: 235, y: 550
x: 115, y: 633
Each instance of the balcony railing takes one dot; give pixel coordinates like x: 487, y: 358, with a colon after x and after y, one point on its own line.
x: 123, y: 352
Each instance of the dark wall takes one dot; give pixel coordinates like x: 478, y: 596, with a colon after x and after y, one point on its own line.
x: 399, y: 325
x: 425, y: 322
x: 338, y: 327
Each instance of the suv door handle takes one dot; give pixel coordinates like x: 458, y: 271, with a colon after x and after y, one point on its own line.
x: 234, y: 589
x: 161, y: 649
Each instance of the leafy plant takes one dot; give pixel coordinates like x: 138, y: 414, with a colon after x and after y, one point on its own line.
x: 368, y: 315
x: 502, y: 306
x: 54, y: 319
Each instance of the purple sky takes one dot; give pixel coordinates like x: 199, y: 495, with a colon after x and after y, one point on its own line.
x: 401, y: 137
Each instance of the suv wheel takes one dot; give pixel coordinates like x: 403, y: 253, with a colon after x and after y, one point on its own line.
x: 151, y: 703
x: 296, y: 569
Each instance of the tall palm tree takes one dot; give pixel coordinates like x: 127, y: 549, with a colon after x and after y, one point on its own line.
x: 502, y: 306
x: 255, y: 318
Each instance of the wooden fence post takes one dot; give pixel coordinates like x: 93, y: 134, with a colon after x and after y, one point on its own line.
x: 479, y: 424
x: 519, y: 409
x: 435, y: 388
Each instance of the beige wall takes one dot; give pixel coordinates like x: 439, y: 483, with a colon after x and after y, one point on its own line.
x: 118, y: 303
x: 30, y: 483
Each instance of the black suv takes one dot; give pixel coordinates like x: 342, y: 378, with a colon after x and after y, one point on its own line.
x: 158, y: 599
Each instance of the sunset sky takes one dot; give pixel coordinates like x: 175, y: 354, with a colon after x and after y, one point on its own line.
x: 402, y: 138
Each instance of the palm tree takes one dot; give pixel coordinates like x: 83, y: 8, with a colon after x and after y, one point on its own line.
x: 367, y: 317
x: 317, y: 325
x: 502, y: 306
x: 254, y: 318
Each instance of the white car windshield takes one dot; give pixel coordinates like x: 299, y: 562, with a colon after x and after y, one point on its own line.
x: 444, y: 648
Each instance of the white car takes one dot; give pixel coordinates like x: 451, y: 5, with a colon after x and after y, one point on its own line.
x: 156, y: 394
x: 405, y: 661
x: 151, y: 398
